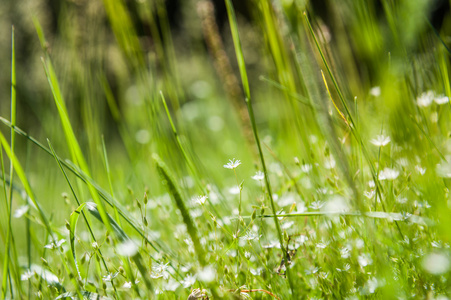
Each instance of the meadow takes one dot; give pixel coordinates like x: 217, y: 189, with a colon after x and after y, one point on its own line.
x: 285, y: 149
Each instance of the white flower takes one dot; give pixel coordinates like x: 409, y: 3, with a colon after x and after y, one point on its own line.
x: 420, y: 170
x: 425, y: 99
x: 256, y: 272
x: 251, y: 235
x: 127, y: 248
x: 110, y: 276
x: 287, y: 225
x: 321, y: 245
x: 207, y: 274
x: 369, y: 194
x: 336, y: 204
x: 306, y: 168
x: 380, y: 140
x: 259, y: 176
x: 344, y: 252
x: 127, y: 285
x: 21, y: 211
x: 329, y: 162
x: 160, y: 270
x: 436, y: 263
x: 444, y: 169
x: 171, y: 285
x: 27, y: 275
x: 234, y: 190
x: 441, y: 99
x: 200, y: 200
x: 316, y: 204
x: 188, y: 281
x: 232, y: 164
x: 364, y: 260
x: 375, y: 91
x: 388, y: 174
x: 55, y: 245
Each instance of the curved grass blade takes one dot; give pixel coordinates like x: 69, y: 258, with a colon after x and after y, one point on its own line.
x: 73, y: 224
x: 167, y: 180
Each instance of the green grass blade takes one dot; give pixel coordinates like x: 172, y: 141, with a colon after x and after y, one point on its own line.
x: 73, y: 224
x: 167, y: 180
x: 245, y: 82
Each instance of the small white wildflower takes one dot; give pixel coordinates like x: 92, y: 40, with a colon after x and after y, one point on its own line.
x: 420, y: 170
x: 22, y: 210
x: 441, y: 99
x: 27, y: 275
x: 312, y: 270
x: 55, y: 245
x: 287, y: 225
x: 388, y: 174
x: 436, y: 244
x: 317, y: 205
x: 171, y: 285
x: 235, y: 190
x: 247, y: 254
x: 200, y: 200
x: 160, y: 270
x: 336, y: 204
x: 188, y: 281
x: 401, y: 200
x: 443, y: 169
x: 256, y: 272
x: 127, y: 285
x: 375, y: 91
x: 300, y: 240
x: 207, y: 274
x: 369, y: 194
x: 251, y: 235
x: 359, y: 243
x: 344, y: 252
x: 380, y: 140
x: 371, y: 183
x: 232, y: 164
x: 329, y: 162
x: 321, y: 245
x: 436, y: 263
x: 346, y: 267
x: 306, y: 168
x: 127, y: 248
x: 364, y: 260
x: 110, y: 276
x: 259, y: 176
x: 372, y: 284
x: 425, y: 99
x: 272, y: 244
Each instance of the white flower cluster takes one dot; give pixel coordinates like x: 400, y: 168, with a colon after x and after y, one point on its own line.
x: 426, y: 99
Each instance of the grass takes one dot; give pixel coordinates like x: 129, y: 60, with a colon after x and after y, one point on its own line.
x: 295, y: 153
